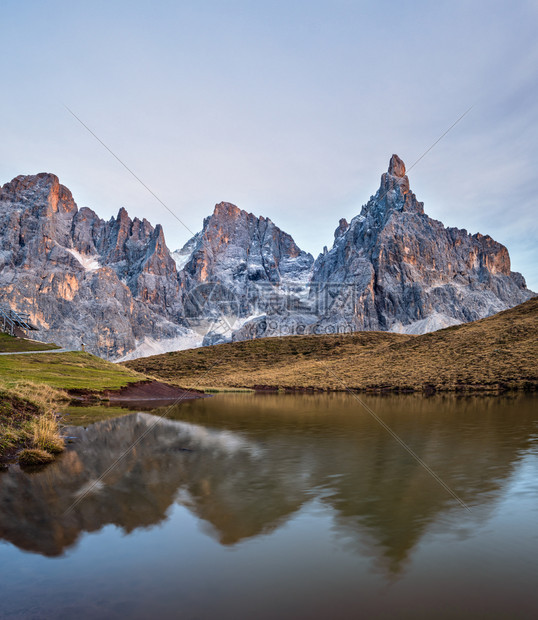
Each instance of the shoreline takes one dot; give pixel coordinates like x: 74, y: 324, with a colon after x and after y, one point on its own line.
x: 495, y: 389
x: 31, y: 435
x: 143, y: 390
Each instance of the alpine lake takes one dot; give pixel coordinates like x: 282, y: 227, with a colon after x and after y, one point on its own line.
x: 266, y: 505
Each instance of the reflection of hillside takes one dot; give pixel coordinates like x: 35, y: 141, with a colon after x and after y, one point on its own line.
x: 246, y: 463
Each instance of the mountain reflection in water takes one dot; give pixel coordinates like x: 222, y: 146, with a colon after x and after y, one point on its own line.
x: 244, y: 464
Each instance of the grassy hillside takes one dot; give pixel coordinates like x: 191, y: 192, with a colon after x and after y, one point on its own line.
x: 69, y: 371
x: 9, y: 344
x: 499, y: 352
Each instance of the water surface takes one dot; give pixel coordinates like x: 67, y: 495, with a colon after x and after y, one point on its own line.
x: 281, y: 506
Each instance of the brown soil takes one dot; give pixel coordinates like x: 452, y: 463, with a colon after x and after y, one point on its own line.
x: 151, y: 390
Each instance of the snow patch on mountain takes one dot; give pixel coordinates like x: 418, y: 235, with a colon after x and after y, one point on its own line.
x: 89, y: 262
x: 180, y: 259
x: 151, y: 346
x: 431, y: 323
x: 183, y: 256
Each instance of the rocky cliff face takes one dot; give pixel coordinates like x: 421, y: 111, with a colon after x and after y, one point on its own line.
x: 81, y: 278
x: 236, y: 247
x: 400, y: 270
x: 232, y: 268
x: 116, y: 285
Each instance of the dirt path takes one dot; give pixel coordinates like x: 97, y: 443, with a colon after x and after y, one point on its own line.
x: 34, y: 352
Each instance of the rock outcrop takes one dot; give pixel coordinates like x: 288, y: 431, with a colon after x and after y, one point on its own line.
x: 109, y: 284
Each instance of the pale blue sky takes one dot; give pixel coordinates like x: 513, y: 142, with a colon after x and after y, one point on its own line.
x: 288, y: 109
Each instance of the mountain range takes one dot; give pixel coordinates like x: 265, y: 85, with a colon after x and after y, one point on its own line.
x: 116, y: 286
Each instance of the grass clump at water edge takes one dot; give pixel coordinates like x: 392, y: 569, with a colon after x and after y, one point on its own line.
x: 35, y: 456
x: 29, y: 428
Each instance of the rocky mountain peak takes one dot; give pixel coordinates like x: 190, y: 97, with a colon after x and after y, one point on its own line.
x: 26, y: 184
x: 394, y: 193
x: 396, y: 166
x: 227, y: 209
x: 395, y: 178
x: 238, y: 248
x: 58, y: 262
x: 409, y: 272
x: 42, y: 191
x: 123, y: 216
x: 161, y: 249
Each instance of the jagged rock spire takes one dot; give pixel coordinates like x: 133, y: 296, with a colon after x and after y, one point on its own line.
x: 394, y: 191
x: 396, y: 166
x: 343, y: 225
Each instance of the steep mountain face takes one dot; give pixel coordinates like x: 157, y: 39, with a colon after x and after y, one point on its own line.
x: 116, y: 286
x: 80, y: 278
x: 236, y: 247
x: 400, y: 270
x: 232, y: 268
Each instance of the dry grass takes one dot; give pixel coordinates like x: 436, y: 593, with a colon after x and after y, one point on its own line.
x: 495, y: 353
x: 44, y: 396
x: 46, y: 435
x: 28, y: 422
x: 35, y: 456
x: 10, y: 438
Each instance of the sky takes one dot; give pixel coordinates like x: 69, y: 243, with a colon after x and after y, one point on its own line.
x: 289, y: 109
